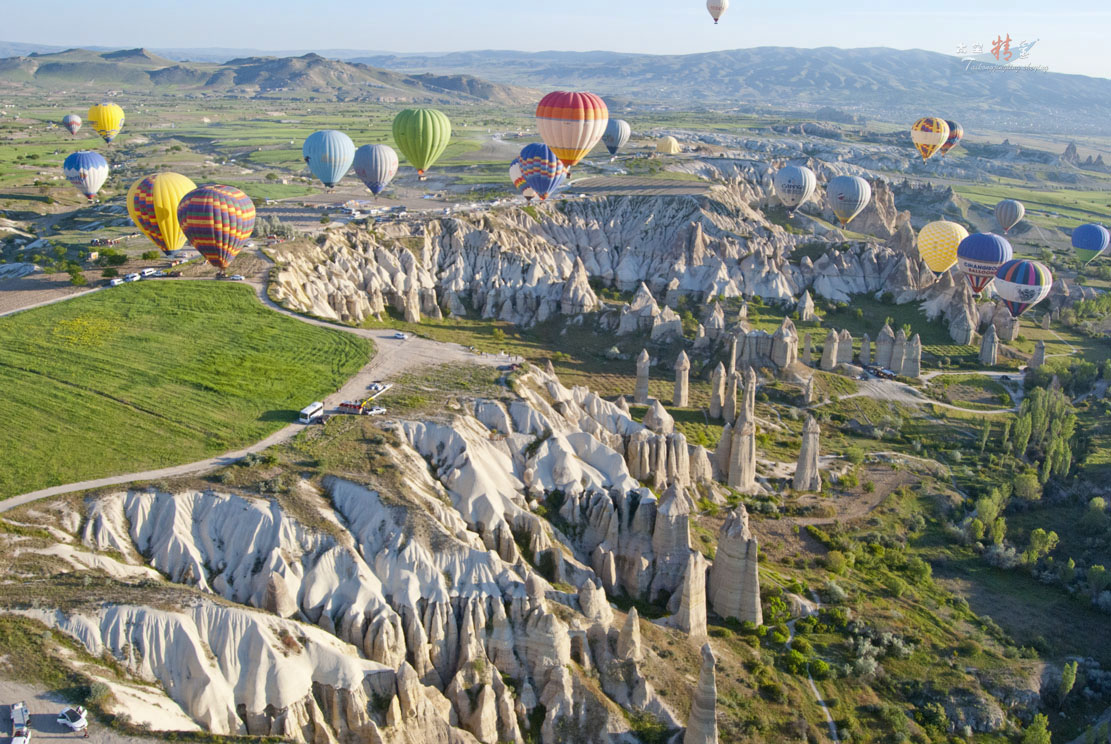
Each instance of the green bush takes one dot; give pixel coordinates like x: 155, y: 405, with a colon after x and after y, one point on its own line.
x: 151, y: 256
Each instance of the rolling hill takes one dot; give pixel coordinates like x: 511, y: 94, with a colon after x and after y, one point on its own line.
x: 310, y: 75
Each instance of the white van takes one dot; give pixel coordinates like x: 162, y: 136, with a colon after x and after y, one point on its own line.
x: 132, y: 278
x: 149, y: 271
x: 115, y: 282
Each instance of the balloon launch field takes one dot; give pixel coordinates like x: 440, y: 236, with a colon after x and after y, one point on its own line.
x: 154, y: 374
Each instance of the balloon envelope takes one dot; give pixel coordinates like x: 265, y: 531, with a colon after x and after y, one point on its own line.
x: 376, y: 165
x: 1090, y: 241
x: 518, y: 179
x: 329, y: 154
x: 543, y: 171
x: 1022, y: 284
x: 848, y: 196
x: 937, y: 244
x: 956, y: 134
x: 980, y: 255
x: 717, y: 8
x: 928, y: 134
x: 218, y: 220
x: 571, y: 124
x: 794, y: 184
x: 616, y: 135
x: 72, y: 122
x: 421, y: 135
x: 1009, y: 213
x: 152, y: 203
x: 668, y: 146
x: 87, y: 170
x: 106, y: 119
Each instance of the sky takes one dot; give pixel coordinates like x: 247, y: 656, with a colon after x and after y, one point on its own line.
x: 1073, y: 34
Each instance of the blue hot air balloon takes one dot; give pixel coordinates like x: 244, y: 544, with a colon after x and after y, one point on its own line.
x: 87, y: 170
x: 329, y: 155
x: 1090, y: 241
x: 543, y: 171
x: 376, y: 165
x: 980, y: 255
x: 616, y: 135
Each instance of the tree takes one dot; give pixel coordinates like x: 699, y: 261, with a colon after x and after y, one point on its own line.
x: 1021, y: 434
x: 109, y: 273
x: 77, y: 277
x: 998, y: 530
x: 1038, y: 731
x: 1042, y: 544
x: 1068, y: 679
x: 1027, y: 487
x: 151, y: 256
x: 985, y: 435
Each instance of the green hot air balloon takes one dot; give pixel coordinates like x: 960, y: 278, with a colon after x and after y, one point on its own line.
x: 422, y: 135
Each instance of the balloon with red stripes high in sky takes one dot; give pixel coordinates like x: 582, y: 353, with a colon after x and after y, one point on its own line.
x: 218, y: 220
x: 717, y: 9
x: 571, y: 124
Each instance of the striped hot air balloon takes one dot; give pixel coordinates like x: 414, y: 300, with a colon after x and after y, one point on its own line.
x: 543, y: 171
x: 1022, y: 284
x: 376, y: 165
x: 87, y: 171
x: 717, y: 9
x: 1009, y: 213
x: 980, y: 255
x: 571, y: 124
x: 422, y: 135
x: 956, y: 134
x: 72, y: 122
x: 218, y: 220
x: 152, y: 203
x: 106, y: 119
x: 848, y: 196
x: 1090, y: 241
x: 794, y: 184
x: 616, y: 135
x: 329, y: 154
x: 938, y: 242
x: 928, y: 134
x: 518, y: 179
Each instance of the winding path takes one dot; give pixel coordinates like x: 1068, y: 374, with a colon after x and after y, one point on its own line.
x: 813, y: 687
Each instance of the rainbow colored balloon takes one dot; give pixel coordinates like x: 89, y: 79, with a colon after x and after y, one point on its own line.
x: 571, y: 124
x: 542, y: 170
x: 956, y: 134
x: 218, y: 220
x: 1022, y: 284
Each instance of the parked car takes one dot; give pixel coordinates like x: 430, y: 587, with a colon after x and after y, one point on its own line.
x: 74, y: 718
x: 115, y: 282
x: 21, y: 724
x: 132, y: 278
x: 236, y: 277
x: 376, y: 411
x: 401, y: 336
x: 147, y: 271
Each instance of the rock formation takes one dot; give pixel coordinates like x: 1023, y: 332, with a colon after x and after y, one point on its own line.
x: 742, y: 457
x: 865, y: 350
x: 830, y: 351
x: 682, y: 385
x: 898, y: 352
x: 1039, y: 355
x: 807, y: 351
x: 912, y: 360
x: 885, y: 345
x: 702, y: 725
x: 845, y: 347
x: 805, y: 309
x: 1047, y: 318
x: 717, y: 391
x: 807, y: 477
x: 729, y: 408
x: 640, y: 396
x: 989, y: 347
x: 735, y: 576
x: 691, y: 615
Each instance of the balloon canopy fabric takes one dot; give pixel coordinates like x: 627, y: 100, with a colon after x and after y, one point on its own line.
x: 571, y: 124
x: 72, y: 122
x: 106, y: 119
x: 152, y: 203
x: 668, y: 146
x: 794, y: 184
x: 87, y: 170
x: 956, y: 134
x: 1022, y: 284
x: 543, y: 171
x: 1090, y: 241
x: 1009, y: 213
x: 848, y: 196
x: 218, y: 220
x: 518, y: 179
x: 616, y: 135
x: 980, y: 255
x: 421, y: 135
x: 376, y: 165
x: 928, y: 134
x: 717, y: 9
x: 938, y: 242
x: 329, y: 154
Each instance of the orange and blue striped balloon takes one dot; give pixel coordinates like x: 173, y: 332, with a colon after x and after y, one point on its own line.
x: 571, y: 124
x: 218, y: 220
x: 542, y: 170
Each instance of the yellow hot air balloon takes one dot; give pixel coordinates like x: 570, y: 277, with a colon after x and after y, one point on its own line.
x: 106, y: 119
x: 152, y: 203
x: 928, y: 134
x: 937, y: 244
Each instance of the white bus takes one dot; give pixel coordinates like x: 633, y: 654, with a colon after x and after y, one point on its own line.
x: 312, y: 413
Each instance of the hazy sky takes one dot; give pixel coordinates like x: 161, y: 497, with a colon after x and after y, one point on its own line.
x: 1073, y: 34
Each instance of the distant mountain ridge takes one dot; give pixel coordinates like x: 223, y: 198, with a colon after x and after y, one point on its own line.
x: 310, y: 75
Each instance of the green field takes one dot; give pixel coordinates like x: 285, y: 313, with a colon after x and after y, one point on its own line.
x: 151, y: 375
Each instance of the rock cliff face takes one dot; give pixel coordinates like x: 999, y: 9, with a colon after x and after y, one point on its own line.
x: 734, y: 577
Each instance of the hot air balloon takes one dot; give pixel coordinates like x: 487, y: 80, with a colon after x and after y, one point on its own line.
x: 422, y: 135
x: 848, y: 196
x: 376, y: 165
x: 928, y: 134
x: 668, y: 146
x: 571, y: 124
x: 72, y: 122
x: 980, y: 255
x: 794, y: 184
x: 328, y: 154
x: 543, y: 171
x: 87, y: 170
x: 152, y: 203
x: 218, y: 220
x: 937, y: 244
x: 518, y: 179
x: 717, y: 9
x: 1090, y: 241
x: 106, y: 119
x: 1022, y: 284
x: 616, y: 135
x: 1009, y: 213
x: 956, y: 134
